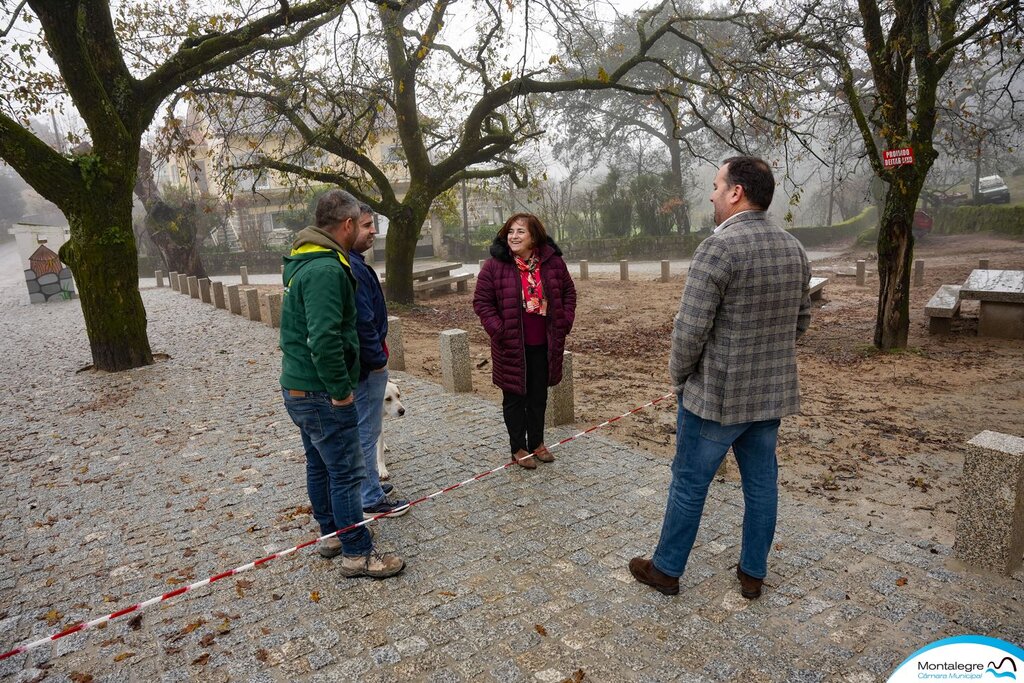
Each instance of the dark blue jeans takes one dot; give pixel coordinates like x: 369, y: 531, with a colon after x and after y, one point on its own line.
x: 701, y: 445
x: 334, y: 465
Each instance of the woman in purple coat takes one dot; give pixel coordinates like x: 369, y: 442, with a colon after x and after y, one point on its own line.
x: 526, y: 301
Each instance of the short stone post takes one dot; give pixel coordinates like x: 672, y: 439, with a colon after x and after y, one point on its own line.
x: 983, y: 264
x: 918, y: 273
x: 234, y: 299
x: 561, y: 399
x: 183, y: 283
x: 159, y: 275
x: 218, y: 294
x: 244, y: 272
x: 270, y: 309
x: 666, y: 271
x: 396, y: 347
x: 584, y: 270
x: 480, y: 263
x: 204, y: 291
x: 623, y: 269
x: 861, y: 272
x: 173, y: 277
x: 252, y: 303
x: 990, y: 523
x: 193, y: 286
x: 456, y: 367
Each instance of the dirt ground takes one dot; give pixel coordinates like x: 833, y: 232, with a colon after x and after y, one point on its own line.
x: 880, y: 436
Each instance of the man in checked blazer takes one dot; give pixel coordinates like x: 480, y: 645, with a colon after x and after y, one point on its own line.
x: 733, y: 367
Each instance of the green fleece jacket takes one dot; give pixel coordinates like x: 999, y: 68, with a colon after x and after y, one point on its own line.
x: 318, y: 317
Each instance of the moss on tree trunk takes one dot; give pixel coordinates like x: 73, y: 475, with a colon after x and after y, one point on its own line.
x: 103, y: 259
x: 895, y: 254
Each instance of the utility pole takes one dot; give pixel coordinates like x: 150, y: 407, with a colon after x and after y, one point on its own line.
x: 465, y: 219
x: 832, y: 187
x: 58, y: 140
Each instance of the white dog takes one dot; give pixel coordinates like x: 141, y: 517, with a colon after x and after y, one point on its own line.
x: 393, y: 407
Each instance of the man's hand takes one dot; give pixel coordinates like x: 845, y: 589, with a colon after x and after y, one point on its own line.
x: 347, y: 401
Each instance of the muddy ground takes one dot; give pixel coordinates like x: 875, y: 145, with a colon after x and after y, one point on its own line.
x: 880, y: 436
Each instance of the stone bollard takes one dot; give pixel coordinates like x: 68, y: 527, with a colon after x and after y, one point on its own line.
x: 861, y: 272
x: 193, y: 286
x: 623, y: 269
x: 234, y: 299
x: 983, y: 264
x: 244, y: 271
x: 159, y: 275
x: 218, y: 294
x: 270, y: 309
x: 282, y: 269
x: 918, y: 273
x: 173, y: 277
x: 666, y: 271
x: 456, y: 366
x: 252, y: 303
x: 584, y: 270
x: 396, y: 347
x: 183, y: 283
x: 990, y: 523
x: 204, y: 291
x: 481, y: 263
x: 561, y: 400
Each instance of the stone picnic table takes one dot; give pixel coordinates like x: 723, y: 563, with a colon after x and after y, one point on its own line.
x: 1001, y: 293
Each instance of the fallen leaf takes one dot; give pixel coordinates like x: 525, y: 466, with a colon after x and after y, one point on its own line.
x: 540, y: 629
x: 50, y: 581
x: 314, y: 596
x: 207, y: 640
x: 448, y: 593
x: 275, y: 596
x: 79, y: 677
x: 123, y: 656
x: 241, y: 585
x: 52, y: 617
x: 201, y: 659
x: 902, y: 581
x: 577, y: 677
x: 262, y: 655
x: 187, y: 629
x: 135, y: 623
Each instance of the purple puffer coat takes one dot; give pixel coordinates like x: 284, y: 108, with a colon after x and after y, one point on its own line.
x: 498, y: 300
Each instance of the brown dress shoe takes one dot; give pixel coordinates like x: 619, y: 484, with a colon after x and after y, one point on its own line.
x: 522, y: 458
x: 543, y: 454
x: 750, y: 588
x: 644, y: 571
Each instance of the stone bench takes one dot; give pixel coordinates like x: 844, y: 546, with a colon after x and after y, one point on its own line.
x: 817, y: 289
x: 942, y: 308
x: 443, y: 283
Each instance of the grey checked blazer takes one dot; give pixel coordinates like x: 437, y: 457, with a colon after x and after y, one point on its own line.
x: 745, y: 303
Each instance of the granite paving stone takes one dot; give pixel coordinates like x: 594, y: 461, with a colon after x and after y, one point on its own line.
x: 120, y: 487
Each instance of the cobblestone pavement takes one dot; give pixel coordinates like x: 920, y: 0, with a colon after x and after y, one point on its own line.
x: 120, y: 487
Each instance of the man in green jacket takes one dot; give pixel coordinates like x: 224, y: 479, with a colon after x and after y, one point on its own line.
x: 320, y: 371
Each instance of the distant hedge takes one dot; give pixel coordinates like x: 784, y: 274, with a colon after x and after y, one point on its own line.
x: 1007, y: 220
x: 817, y: 235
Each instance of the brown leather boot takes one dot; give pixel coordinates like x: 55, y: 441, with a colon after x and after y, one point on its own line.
x: 750, y: 588
x: 644, y: 571
x: 523, y: 459
x: 543, y: 454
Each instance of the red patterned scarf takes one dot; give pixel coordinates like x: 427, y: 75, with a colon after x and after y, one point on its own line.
x: 533, y: 291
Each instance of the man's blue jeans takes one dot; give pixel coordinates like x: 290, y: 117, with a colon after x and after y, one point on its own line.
x: 334, y: 465
x: 370, y: 405
x: 701, y: 445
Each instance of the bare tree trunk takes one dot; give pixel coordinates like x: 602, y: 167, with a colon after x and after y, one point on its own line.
x: 107, y: 274
x: 895, y: 254
x: 400, y: 250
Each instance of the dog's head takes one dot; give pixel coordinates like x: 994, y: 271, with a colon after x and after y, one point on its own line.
x: 392, y: 401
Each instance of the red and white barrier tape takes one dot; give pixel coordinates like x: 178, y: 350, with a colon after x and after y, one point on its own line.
x: 138, y: 607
